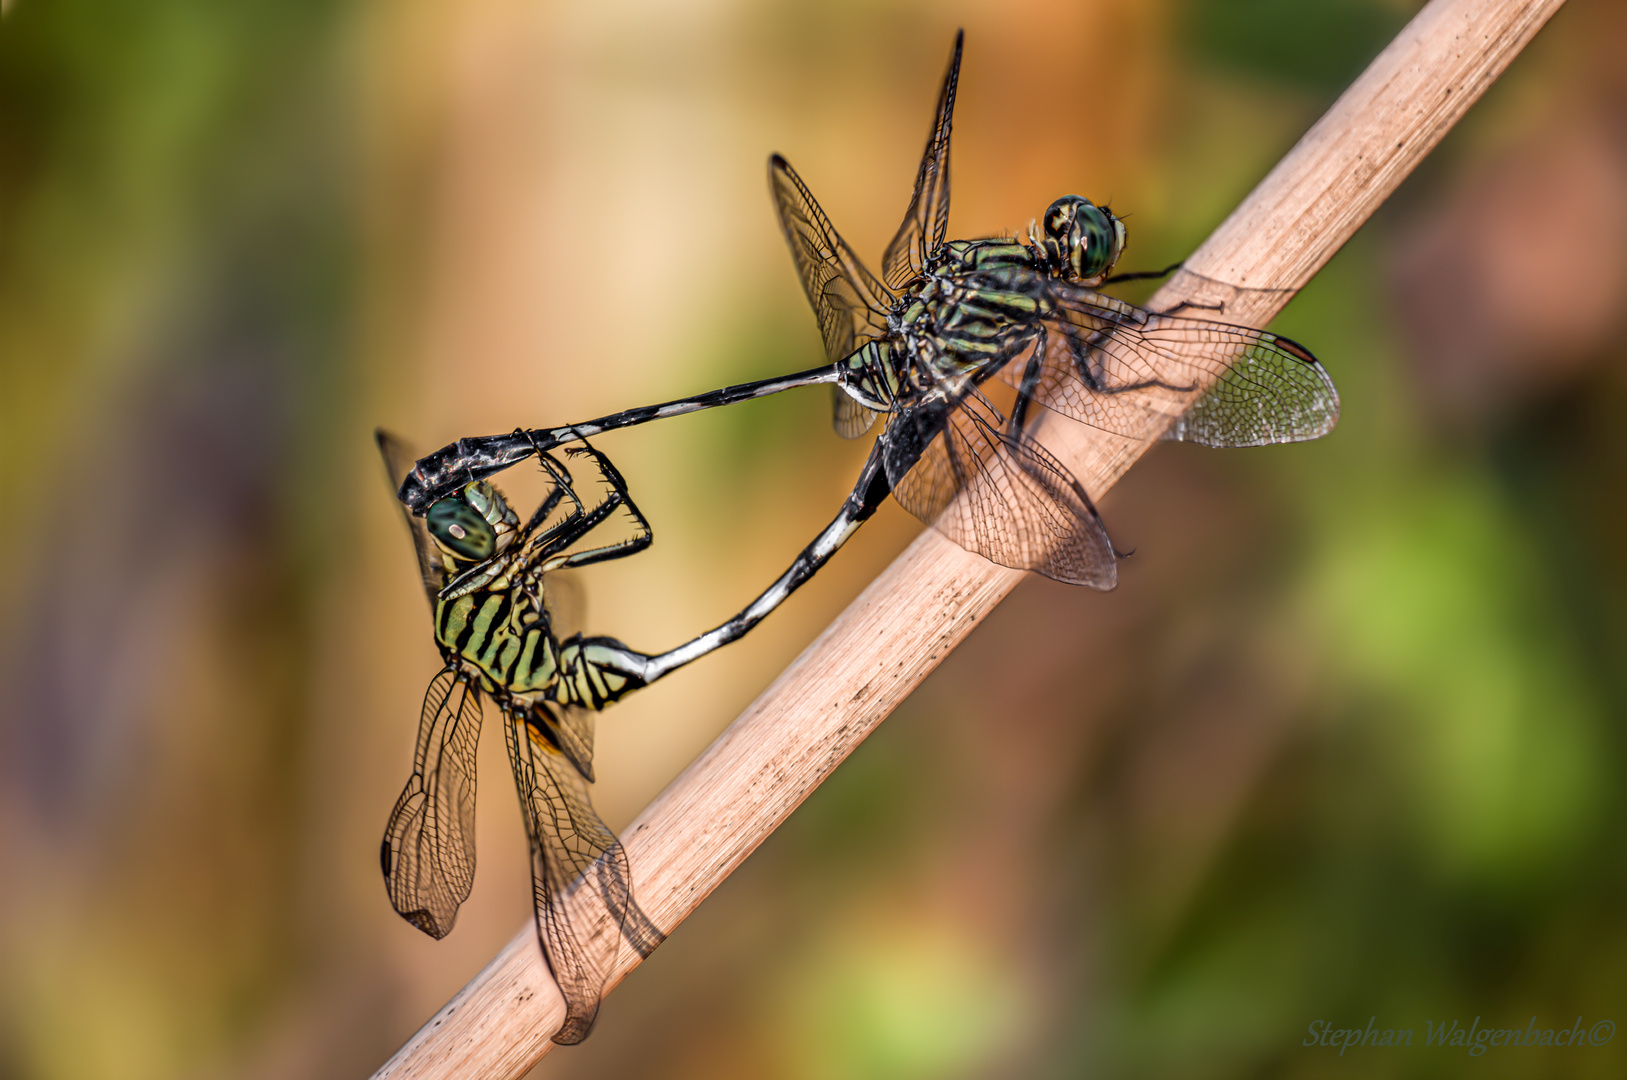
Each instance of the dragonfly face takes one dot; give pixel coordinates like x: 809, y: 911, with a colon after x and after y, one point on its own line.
x: 1082, y: 241
x: 473, y: 530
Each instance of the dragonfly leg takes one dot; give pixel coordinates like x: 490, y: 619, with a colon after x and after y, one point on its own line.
x: 1088, y: 365
x: 563, y: 489
x: 1184, y: 304
x: 1144, y: 275
x: 617, y: 498
x: 1032, y: 370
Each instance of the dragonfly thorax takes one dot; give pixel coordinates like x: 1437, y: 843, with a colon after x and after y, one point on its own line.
x: 958, y: 318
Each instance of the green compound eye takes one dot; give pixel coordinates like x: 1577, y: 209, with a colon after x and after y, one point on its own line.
x: 1094, y: 253
x: 461, y: 529
x: 1082, y: 240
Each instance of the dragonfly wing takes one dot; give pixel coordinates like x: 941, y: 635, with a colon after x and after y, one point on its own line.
x: 580, y: 881
x: 399, y: 458
x: 1274, y: 391
x: 428, y: 853
x: 926, y: 222
x: 565, y: 602
x: 1131, y: 372
x: 1002, y: 495
x: 571, y: 729
x: 850, y: 303
x: 851, y: 418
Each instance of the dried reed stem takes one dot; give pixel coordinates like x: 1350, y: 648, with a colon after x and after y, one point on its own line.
x: 730, y: 798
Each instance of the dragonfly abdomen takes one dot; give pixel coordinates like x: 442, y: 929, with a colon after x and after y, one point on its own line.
x: 870, y: 376
x: 592, y: 673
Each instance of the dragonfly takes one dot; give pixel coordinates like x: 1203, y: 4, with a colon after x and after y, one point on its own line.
x: 926, y: 343
x: 488, y: 582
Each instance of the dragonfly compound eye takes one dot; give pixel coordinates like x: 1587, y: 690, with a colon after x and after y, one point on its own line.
x: 1082, y: 241
x: 461, y: 529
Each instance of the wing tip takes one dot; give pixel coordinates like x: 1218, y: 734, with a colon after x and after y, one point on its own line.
x: 426, y: 921
x: 1296, y: 350
x: 576, y: 1028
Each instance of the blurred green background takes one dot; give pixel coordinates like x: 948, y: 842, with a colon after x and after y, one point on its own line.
x: 1346, y: 742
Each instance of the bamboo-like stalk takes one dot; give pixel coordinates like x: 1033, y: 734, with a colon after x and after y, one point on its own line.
x: 831, y: 697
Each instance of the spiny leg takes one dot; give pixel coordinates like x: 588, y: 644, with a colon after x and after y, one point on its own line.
x: 579, y: 522
x: 618, y: 498
x: 1184, y: 304
x: 1158, y: 275
x: 563, y: 489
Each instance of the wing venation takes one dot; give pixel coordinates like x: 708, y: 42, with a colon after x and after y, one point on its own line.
x: 1134, y: 373
x: 998, y: 493
x: 850, y: 303
x: 428, y: 854
x: 580, y: 880
x: 926, y: 222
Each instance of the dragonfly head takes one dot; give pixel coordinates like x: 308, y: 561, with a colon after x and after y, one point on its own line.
x: 472, y: 524
x: 1081, y: 240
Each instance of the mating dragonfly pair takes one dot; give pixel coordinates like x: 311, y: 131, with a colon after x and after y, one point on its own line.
x: 924, y: 345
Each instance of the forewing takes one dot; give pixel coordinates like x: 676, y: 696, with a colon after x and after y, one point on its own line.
x: 999, y: 494
x: 926, y: 222
x: 849, y: 302
x: 428, y: 853
x: 1131, y: 372
x: 580, y: 881
x: 398, y: 461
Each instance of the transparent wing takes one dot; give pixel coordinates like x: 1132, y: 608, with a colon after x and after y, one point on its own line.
x: 926, y: 222
x: 566, y: 602
x: 428, y: 853
x: 580, y: 880
x: 1128, y: 371
x: 399, y: 458
x: 1275, y: 391
x: 1001, y: 495
x: 571, y: 732
x: 850, y: 418
x: 850, y: 303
